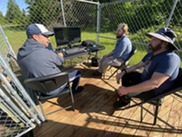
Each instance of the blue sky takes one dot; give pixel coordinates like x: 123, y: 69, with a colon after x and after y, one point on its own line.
x: 3, y: 5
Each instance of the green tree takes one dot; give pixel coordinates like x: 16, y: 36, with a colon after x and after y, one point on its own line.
x: 138, y: 14
x: 13, y: 14
x: 1, y: 18
x: 43, y: 11
x: 24, y: 18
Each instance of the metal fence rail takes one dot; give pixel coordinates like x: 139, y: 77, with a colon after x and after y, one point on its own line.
x: 18, y: 113
x: 11, y: 126
x: 18, y: 122
x: 18, y: 107
x: 6, y: 48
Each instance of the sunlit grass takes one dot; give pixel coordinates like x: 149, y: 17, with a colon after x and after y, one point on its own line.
x: 17, y: 38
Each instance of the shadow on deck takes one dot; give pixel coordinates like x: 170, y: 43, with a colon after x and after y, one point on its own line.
x: 95, y: 116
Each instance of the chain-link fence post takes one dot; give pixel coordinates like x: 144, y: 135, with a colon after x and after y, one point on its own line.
x: 171, y: 14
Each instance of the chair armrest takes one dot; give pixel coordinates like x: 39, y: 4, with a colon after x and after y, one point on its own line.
x: 172, y: 91
x: 47, y: 83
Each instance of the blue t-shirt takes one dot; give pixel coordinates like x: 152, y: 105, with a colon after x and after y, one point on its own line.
x: 123, y: 48
x: 166, y: 63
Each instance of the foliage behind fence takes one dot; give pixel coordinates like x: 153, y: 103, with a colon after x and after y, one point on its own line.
x: 94, y: 17
x: 142, y: 16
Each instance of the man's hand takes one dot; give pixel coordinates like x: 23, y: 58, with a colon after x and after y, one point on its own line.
x: 122, y: 91
x: 60, y: 54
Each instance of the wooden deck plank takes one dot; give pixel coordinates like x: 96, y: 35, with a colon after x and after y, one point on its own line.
x: 163, y: 114
x: 119, y: 123
x: 95, y: 116
x: 92, y: 97
x: 180, y: 119
x: 87, y: 117
x: 174, y: 117
x: 163, y: 117
x: 71, y: 118
x: 133, y: 122
x: 143, y: 128
x: 179, y: 134
x: 100, y: 121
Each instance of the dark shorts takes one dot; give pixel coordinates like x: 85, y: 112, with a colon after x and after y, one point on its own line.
x: 134, y: 78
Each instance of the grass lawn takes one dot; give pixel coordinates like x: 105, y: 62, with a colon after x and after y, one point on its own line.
x: 17, y: 38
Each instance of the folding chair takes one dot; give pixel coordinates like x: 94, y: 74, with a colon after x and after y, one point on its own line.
x: 48, y: 83
x: 156, y: 101
x: 124, y: 64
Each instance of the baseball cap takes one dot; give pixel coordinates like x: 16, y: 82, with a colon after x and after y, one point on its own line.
x: 35, y: 28
x: 164, y: 34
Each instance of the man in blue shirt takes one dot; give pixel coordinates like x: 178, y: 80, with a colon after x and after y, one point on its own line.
x: 161, y: 68
x: 36, y: 58
x: 121, y: 51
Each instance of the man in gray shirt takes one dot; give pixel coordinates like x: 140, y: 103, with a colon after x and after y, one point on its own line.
x: 121, y: 51
x: 36, y: 60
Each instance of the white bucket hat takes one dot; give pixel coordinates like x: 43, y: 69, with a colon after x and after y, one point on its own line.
x: 164, y: 34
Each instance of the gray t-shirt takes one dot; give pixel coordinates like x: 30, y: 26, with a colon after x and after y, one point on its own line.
x: 166, y: 63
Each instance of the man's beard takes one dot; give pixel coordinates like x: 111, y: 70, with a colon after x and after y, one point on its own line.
x: 119, y: 36
x: 154, y: 49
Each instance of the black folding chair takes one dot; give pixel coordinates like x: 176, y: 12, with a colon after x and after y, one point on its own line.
x: 156, y: 101
x: 124, y: 64
x: 49, y: 83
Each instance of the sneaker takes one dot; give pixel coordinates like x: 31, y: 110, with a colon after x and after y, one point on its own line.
x: 79, y: 89
x: 123, y: 102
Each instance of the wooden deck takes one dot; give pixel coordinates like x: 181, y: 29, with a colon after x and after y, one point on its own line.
x: 94, y: 115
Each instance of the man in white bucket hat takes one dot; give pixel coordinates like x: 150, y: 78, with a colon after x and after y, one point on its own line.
x: 161, y: 68
x: 166, y: 35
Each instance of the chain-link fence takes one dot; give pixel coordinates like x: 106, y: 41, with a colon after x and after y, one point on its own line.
x: 98, y: 22
x: 141, y: 16
x: 18, y: 113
